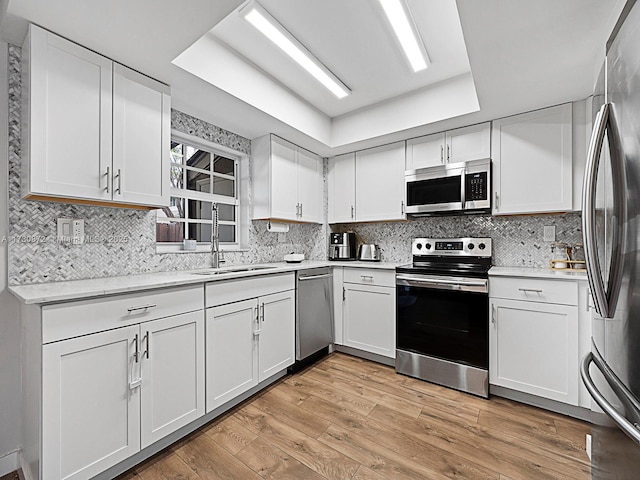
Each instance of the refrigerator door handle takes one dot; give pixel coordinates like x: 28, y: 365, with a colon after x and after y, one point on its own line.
x: 594, y: 273
x: 631, y: 429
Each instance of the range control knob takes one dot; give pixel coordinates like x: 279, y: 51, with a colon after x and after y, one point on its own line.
x: 428, y: 246
x: 482, y: 246
x: 419, y: 246
x: 471, y: 246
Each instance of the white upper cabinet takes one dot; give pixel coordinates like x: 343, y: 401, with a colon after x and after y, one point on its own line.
x: 459, y: 145
x: 141, y: 136
x: 86, y: 119
x: 532, y: 162
x: 287, y: 181
x: 380, y: 183
x: 342, y: 188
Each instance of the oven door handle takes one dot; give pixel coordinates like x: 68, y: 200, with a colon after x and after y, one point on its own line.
x: 442, y: 284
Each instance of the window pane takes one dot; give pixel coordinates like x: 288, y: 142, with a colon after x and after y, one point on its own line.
x: 227, y: 212
x: 224, y: 165
x: 198, y: 159
x: 227, y: 233
x: 175, y: 210
x: 198, y: 182
x: 177, y: 177
x: 199, y: 210
x: 223, y: 186
x: 169, y: 232
x: 176, y: 152
x: 200, y: 232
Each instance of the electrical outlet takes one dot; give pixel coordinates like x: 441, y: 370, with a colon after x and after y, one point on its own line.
x: 77, y: 237
x: 549, y: 234
x: 71, y: 230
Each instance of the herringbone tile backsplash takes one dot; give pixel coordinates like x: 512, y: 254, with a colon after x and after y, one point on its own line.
x: 126, y: 238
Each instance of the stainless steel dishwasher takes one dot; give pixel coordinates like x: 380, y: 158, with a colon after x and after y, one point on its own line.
x: 314, y: 313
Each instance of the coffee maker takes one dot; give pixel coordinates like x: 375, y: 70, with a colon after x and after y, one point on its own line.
x: 342, y: 246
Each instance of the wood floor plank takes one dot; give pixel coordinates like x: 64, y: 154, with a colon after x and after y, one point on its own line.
x: 301, y: 419
x: 358, y: 389
x: 289, y: 392
x: 574, y: 431
x: 394, y: 441
x: 212, y: 462
x: 365, y: 473
x: 313, y: 387
x: 322, y: 459
x: 272, y: 463
x: 230, y: 435
x: 166, y: 466
x: 458, y: 408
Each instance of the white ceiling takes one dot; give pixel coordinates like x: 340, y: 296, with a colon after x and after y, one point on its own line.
x: 354, y: 41
x: 523, y: 55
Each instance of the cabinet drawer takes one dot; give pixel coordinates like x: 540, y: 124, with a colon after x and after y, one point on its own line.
x: 229, y: 291
x: 67, y: 320
x: 370, y: 276
x: 534, y: 289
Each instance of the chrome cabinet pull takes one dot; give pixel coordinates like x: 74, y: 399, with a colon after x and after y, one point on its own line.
x: 142, y: 307
x: 532, y: 290
x: 301, y: 210
x: 262, y: 312
x: 441, y: 153
x: 493, y: 314
x: 344, y: 294
x: 146, y: 352
x: 497, y: 200
x: 448, y: 152
x: 402, y: 207
x: 365, y: 277
x: 108, y: 177
x: 352, y: 211
x: 119, y: 177
x: 136, y: 354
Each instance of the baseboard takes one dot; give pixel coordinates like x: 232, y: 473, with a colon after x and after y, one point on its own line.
x: 580, y: 413
x: 374, y: 357
x: 9, y: 463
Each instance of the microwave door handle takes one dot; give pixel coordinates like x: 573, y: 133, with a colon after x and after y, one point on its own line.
x: 594, y: 272
x: 463, y: 191
x: 619, y: 216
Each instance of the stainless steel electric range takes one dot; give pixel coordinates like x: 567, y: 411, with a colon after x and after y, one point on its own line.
x: 442, y: 317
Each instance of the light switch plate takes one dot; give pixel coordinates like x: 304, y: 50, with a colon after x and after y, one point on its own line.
x: 549, y: 233
x: 71, y: 230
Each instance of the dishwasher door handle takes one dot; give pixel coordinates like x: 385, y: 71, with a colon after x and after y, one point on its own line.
x: 312, y: 277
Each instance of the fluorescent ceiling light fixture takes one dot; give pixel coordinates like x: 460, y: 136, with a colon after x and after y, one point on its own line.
x: 406, y: 32
x: 270, y: 28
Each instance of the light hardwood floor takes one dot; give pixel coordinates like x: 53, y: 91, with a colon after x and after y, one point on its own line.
x: 346, y: 418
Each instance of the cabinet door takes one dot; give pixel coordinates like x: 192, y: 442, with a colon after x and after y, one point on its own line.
x: 310, y: 195
x: 380, y: 183
x: 533, y: 348
x: 284, y: 181
x: 469, y: 143
x: 342, y: 188
x: 532, y: 167
x: 172, y: 366
x: 369, y: 320
x: 141, y: 132
x: 90, y: 405
x: 232, y: 351
x: 425, y: 151
x: 69, y: 118
x: 277, y: 331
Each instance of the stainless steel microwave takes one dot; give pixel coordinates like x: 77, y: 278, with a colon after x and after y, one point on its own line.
x: 463, y: 187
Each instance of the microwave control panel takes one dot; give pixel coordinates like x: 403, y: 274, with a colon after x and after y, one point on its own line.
x: 476, y: 186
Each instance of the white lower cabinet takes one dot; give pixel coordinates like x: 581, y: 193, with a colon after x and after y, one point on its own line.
x: 533, y: 344
x: 247, y: 342
x: 107, y: 395
x: 369, y: 311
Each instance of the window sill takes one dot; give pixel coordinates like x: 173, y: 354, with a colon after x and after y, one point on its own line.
x: 162, y: 249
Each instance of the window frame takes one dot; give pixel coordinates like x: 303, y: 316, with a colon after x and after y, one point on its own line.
x: 241, y: 181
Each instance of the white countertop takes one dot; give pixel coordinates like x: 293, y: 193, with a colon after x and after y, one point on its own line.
x: 96, y: 287
x: 537, y: 272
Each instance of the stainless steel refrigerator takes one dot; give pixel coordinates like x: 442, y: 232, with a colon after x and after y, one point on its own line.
x: 611, y: 229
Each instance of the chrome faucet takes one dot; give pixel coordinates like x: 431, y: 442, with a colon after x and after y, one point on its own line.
x: 216, y: 255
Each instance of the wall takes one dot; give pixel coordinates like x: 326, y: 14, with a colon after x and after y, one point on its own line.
x: 35, y: 255
x: 517, y: 240
x: 10, y: 384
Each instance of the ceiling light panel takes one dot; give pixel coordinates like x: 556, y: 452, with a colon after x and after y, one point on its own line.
x: 274, y: 31
x: 403, y: 26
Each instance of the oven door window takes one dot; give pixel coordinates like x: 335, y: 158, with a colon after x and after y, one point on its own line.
x: 444, y: 324
x: 434, y: 191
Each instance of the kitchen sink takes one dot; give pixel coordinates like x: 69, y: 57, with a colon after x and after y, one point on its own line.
x: 234, y: 270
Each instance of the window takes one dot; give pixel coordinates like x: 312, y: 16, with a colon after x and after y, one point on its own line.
x: 200, y: 176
